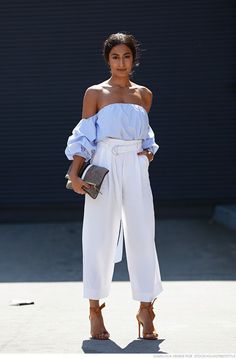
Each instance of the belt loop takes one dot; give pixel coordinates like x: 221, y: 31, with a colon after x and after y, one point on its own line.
x: 114, y: 150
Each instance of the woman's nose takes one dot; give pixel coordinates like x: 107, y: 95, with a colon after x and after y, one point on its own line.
x: 121, y: 62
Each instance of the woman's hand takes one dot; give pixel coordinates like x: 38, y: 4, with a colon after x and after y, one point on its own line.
x: 147, y: 153
x: 77, y: 184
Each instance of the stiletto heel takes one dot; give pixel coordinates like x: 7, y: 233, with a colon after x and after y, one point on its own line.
x: 138, y: 327
x: 149, y: 308
x: 103, y: 335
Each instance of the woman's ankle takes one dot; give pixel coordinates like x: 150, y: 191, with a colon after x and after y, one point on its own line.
x: 145, y: 304
x: 93, y: 303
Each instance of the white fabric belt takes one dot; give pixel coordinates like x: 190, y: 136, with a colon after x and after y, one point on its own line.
x: 118, y: 146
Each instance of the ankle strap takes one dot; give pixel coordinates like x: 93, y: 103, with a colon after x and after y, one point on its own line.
x: 149, y: 306
x: 97, y: 309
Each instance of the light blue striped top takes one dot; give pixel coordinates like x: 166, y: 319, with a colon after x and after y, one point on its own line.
x: 124, y: 121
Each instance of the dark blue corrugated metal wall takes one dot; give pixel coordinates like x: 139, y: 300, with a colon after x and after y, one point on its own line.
x: 51, y: 52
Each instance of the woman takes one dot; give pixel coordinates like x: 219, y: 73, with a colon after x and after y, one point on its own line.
x: 114, y: 132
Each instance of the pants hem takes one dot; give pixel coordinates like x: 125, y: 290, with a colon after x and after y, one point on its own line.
x: 146, y: 297
x: 95, y: 294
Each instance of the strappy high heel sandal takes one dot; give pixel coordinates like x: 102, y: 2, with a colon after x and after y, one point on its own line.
x: 149, y: 308
x: 103, y: 335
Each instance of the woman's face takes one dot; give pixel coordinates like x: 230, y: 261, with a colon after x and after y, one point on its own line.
x: 121, y: 60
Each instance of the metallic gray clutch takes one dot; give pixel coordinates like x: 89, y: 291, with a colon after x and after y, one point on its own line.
x: 92, y: 174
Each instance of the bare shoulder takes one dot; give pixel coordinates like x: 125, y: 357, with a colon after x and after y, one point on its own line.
x: 147, y: 97
x: 146, y: 92
x: 90, y: 101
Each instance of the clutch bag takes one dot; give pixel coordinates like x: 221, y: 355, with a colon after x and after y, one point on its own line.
x: 92, y: 174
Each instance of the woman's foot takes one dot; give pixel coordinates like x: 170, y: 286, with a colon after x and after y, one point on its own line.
x: 145, y: 318
x: 98, y: 330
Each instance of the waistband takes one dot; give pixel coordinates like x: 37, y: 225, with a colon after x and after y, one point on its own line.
x: 117, y: 145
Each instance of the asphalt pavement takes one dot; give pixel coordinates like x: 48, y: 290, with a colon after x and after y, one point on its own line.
x: 195, y: 313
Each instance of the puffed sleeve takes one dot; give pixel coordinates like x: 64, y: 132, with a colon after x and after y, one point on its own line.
x: 149, y: 141
x: 82, y: 142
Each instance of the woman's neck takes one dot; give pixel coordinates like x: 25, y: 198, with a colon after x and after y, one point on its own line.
x: 119, y: 82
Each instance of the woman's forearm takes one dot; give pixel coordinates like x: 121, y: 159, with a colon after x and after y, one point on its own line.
x: 77, y: 164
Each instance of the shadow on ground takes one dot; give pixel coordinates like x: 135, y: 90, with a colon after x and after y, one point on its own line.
x: 109, y: 346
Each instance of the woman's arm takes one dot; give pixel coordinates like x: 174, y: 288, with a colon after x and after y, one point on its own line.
x: 147, y: 97
x: 90, y: 101
x: 89, y: 109
x: 77, y: 164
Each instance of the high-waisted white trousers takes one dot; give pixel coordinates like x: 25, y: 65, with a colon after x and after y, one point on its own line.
x: 126, y: 197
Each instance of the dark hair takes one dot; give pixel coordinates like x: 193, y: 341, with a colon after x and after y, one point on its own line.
x: 121, y: 38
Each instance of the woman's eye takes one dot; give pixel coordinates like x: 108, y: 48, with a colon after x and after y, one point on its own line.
x: 115, y: 57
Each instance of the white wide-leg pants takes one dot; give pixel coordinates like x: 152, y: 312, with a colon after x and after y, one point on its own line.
x: 126, y: 200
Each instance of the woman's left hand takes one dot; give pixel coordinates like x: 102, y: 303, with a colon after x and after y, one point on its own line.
x: 147, y: 153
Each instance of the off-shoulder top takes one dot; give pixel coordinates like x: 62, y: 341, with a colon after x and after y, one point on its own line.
x: 125, y: 121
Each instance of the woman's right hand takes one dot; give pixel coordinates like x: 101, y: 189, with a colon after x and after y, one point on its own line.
x: 77, y: 184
